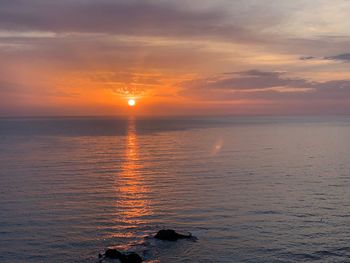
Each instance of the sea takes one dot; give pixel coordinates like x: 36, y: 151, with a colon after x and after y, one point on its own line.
x: 251, y: 189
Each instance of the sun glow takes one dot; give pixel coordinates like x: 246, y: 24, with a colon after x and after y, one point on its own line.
x: 131, y: 102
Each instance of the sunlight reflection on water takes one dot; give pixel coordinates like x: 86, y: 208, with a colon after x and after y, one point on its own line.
x: 132, y: 205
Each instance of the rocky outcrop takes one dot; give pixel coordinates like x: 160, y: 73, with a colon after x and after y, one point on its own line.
x: 132, y: 257
x: 123, y: 257
x: 172, y: 235
x: 112, y: 253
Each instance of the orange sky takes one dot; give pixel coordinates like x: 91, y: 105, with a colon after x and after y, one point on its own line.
x: 174, y: 57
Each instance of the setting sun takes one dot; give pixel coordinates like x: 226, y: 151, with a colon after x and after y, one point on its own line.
x: 131, y: 102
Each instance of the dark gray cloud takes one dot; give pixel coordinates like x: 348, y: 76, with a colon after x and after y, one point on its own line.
x: 344, y: 57
x: 274, y: 86
x: 148, y: 18
x: 341, y: 57
x: 248, y: 80
x: 307, y: 58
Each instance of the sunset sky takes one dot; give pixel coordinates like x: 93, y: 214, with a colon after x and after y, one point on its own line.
x: 87, y: 57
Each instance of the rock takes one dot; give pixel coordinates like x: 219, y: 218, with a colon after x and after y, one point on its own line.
x: 171, y: 235
x: 131, y: 258
x: 113, y: 253
x: 124, y: 258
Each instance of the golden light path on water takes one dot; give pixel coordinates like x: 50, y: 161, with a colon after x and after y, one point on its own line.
x: 133, y: 203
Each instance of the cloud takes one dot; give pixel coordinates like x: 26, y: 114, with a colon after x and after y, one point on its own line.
x: 105, y: 53
x: 344, y: 57
x: 15, y: 89
x: 341, y: 57
x: 147, y: 18
x: 270, y: 86
x: 240, y: 22
x: 248, y: 80
x: 307, y: 58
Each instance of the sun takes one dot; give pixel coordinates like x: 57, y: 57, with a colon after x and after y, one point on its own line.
x: 131, y: 102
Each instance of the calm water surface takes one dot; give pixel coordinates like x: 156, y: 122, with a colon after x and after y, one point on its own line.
x: 251, y: 189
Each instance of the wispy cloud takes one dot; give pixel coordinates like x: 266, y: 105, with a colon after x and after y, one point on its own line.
x: 341, y: 57
x: 272, y: 86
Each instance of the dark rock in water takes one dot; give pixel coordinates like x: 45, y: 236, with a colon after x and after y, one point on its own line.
x: 171, y: 235
x: 124, y: 258
x: 131, y: 258
x: 113, y: 253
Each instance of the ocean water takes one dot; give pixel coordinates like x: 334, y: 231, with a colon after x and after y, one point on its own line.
x: 263, y: 189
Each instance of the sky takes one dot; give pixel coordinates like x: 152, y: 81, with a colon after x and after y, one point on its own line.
x: 183, y: 57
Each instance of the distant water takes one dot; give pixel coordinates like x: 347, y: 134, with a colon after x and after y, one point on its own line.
x: 267, y: 189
